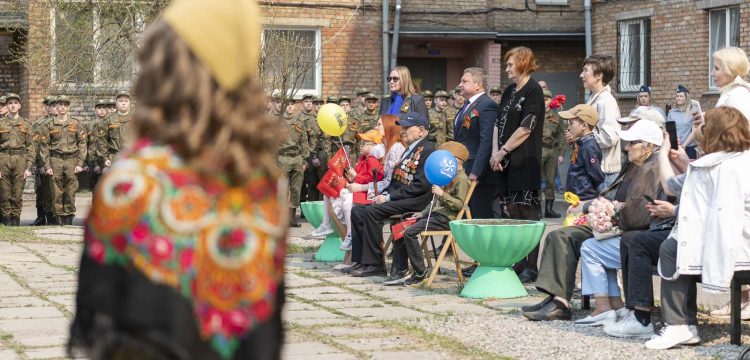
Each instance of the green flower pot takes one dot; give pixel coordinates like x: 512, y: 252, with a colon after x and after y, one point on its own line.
x: 329, y: 251
x: 496, y: 244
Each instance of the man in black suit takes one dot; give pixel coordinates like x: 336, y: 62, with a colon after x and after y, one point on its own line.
x: 474, y: 126
x: 409, y: 191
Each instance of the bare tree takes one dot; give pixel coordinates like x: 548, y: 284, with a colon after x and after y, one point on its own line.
x: 288, y: 61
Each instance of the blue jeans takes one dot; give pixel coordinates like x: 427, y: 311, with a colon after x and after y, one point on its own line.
x: 600, y: 260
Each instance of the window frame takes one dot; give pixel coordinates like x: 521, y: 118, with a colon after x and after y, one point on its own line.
x: 728, y: 28
x: 318, y: 53
x: 645, y: 59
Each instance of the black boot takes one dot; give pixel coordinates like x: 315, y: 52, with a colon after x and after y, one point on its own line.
x: 57, y: 221
x: 549, y: 212
x: 70, y: 219
x: 40, y: 218
x: 4, y: 221
x: 293, y: 218
x: 17, y: 221
x: 49, y: 218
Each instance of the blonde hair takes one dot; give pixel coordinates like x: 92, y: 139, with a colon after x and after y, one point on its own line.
x: 725, y: 129
x: 478, y: 75
x: 407, y: 85
x: 688, y: 107
x: 734, y: 60
x: 214, y: 130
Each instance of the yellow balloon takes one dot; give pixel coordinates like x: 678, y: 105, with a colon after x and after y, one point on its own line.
x: 332, y: 119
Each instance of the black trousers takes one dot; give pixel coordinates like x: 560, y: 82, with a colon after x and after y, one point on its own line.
x: 679, y: 297
x: 481, y: 202
x: 639, y: 252
x: 367, y: 227
x: 408, y: 248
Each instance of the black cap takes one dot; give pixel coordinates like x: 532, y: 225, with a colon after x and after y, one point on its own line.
x: 645, y: 88
x: 413, y: 119
x: 682, y: 89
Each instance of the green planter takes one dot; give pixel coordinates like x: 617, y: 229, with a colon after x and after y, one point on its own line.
x: 496, y: 244
x: 329, y: 250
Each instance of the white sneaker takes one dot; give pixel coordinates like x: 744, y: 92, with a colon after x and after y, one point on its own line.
x: 696, y: 338
x: 322, y: 230
x: 671, y: 336
x: 598, y: 320
x: 623, y: 313
x: 346, y: 245
x: 725, y: 311
x: 630, y: 327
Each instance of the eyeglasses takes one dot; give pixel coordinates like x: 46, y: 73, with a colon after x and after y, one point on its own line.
x: 392, y: 78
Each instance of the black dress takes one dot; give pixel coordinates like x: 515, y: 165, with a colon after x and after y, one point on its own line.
x: 522, y: 176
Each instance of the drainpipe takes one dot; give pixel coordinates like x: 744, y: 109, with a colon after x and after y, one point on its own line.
x: 386, y: 68
x: 396, y: 25
x: 587, y: 22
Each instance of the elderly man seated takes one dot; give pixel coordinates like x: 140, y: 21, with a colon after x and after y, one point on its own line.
x: 409, y: 191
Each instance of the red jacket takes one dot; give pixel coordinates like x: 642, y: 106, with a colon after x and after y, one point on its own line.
x: 365, y: 165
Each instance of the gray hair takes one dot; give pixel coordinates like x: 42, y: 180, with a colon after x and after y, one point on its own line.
x: 477, y: 74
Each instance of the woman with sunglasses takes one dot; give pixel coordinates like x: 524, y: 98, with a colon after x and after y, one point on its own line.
x: 404, y: 97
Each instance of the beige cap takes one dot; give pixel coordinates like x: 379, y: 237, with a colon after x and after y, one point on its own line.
x: 644, y: 113
x: 457, y: 149
x: 587, y: 113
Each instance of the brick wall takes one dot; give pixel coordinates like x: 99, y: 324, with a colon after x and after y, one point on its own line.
x: 36, y: 77
x: 10, y: 72
x: 679, y: 46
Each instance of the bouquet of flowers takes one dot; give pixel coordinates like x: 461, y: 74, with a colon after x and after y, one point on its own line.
x: 557, y: 102
x: 604, y: 217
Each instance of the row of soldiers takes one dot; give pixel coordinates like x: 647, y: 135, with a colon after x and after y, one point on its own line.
x: 56, y: 149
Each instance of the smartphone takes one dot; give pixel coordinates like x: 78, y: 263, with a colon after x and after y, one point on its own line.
x: 697, y: 105
x: 649, y: 199
x: 672, y: 131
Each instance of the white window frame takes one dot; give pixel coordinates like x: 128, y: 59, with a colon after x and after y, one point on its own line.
x: 98, y: 81
x: 318, y: 90
x: 625, y: 83
x: 727, y: 19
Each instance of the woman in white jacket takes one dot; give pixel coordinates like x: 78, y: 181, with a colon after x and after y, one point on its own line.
x: 730, y: 69
x: 712, y: 237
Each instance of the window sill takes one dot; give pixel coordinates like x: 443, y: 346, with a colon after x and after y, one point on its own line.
x: 627, y: 95
x: 711, y: 92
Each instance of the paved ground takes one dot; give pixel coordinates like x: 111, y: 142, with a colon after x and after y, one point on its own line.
x: 328, y: 315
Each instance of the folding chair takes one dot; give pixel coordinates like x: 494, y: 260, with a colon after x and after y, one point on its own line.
x: 448, y: 241
x: 341, y: 229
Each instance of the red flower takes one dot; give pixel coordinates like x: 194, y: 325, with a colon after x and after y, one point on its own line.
x: 120, y: 242
x: 96, y: 251
x: 236, y: 238
x: 186, y: 258
x: 212, y: 321
x: 235, y: 322
x: 557, y: 103
x: 161, y: 248
x: 140, y: 232
x: 262, y: 310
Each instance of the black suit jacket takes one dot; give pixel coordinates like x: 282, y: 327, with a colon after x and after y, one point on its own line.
x: 419, y: 189
x: 476, y: 135
x: 416, y: 104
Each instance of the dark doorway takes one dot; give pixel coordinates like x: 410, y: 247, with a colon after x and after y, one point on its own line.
x: 427, y: 74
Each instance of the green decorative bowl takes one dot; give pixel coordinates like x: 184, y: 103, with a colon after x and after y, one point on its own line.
x: 329, y: 250
x: 496, y: 244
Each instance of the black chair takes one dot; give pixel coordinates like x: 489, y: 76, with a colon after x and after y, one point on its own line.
x: 735, y: 323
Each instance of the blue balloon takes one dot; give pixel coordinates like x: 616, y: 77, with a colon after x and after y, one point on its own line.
x: 441, y: 167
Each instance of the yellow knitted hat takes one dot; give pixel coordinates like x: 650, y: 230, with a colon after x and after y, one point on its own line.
x: 224, y: 35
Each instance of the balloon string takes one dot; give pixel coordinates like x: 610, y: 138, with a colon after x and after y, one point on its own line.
x: 429, y: 213
x: 348, y: 163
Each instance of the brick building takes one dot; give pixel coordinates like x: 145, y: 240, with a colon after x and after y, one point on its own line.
x: 436, y: 40
x: 666, y: 43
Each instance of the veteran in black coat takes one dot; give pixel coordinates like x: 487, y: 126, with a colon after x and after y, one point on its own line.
x: 409, y: 191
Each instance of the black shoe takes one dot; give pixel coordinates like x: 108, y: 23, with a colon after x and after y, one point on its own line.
x: 417, y: 278
x: 468, y: 271
x: 553, y: 310
x: 58, y: 221
x: 369, y: 270
x: 537, y: 307
x: 69, y: 219
x: 293, y: 218
x: 397, y: 277
x: 40, y: 220
x: 49, y: 219
x: 549, y: 212
x: 528, y: 275
x: 17, y: 221
x: 349, y: 269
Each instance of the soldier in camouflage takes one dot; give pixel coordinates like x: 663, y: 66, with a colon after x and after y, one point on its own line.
x: 495, y: 94
x: 360, y: 105
x: 115, y: 132
x: 42, y: 185
x: 346, y: 103
x: 553, y: 148
x: 3, y: 108
x: 16, y: 160
x: 456, y: 102
x: 93, y: 163
x: 332, y: 99
x: 317, y: 103
x: 440, y: 124
x: 428, y: 99
x: 292, y: 154
x: 320, y: 150
x: 62, y: 147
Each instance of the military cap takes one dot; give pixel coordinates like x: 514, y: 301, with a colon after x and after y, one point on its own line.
x: 496, y: 89
x: 371, y: 96
x: 276, y: 95
x: 442, y: 93
x: 547, y: 93
x: 122, y: 94
x: 307, y: 96
x: 345, y: 97
x: 9, y: 96
x: 385, y: 96
x: 427, y: 94
x: 2, y: 99
x: 318, y: 99
x: 332, y: 99
x: 645, y: 88
x: 362, y: 92
x: 48, y: 100
x: 101, y: 102
x: 62, y: 99
x: 682, y: 89
x: 456, y: 90
x: 111, y: 101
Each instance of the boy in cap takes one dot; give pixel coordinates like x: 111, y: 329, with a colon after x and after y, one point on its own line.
x: 585, y: 173
x: 346, y: 103
x: 439, y: 122
x: 16, y: 159
x: 115, y: 131
x: 449, y: 201
x: 428, y: 99
x: 496, y: 93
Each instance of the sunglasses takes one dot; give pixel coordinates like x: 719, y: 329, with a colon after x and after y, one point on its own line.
x: 392, y: 78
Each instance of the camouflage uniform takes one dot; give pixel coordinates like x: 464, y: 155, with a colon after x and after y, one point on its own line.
x: 62, y: 147
x: 42, y: 185
x: 553, y: 145
x: 16, y: 156
x: 320, y: 148
x: 291, y: 156
x: 438, y: 126
x: 93, y: 158
x: 112, y: 136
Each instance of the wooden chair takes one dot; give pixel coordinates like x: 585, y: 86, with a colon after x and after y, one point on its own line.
x: 448, y: 241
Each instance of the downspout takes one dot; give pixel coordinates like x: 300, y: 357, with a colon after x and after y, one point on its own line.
x: 386, y: 68
x: 396, y: 25
x: 587, y: 24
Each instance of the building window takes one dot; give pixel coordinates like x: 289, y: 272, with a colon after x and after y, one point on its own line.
x: 723, y: 31
x: 291, y: 60
x: 634, y: 48
x: 94, y: 44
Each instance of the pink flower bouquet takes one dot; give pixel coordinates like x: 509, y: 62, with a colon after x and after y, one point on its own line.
x: 604, y: 216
